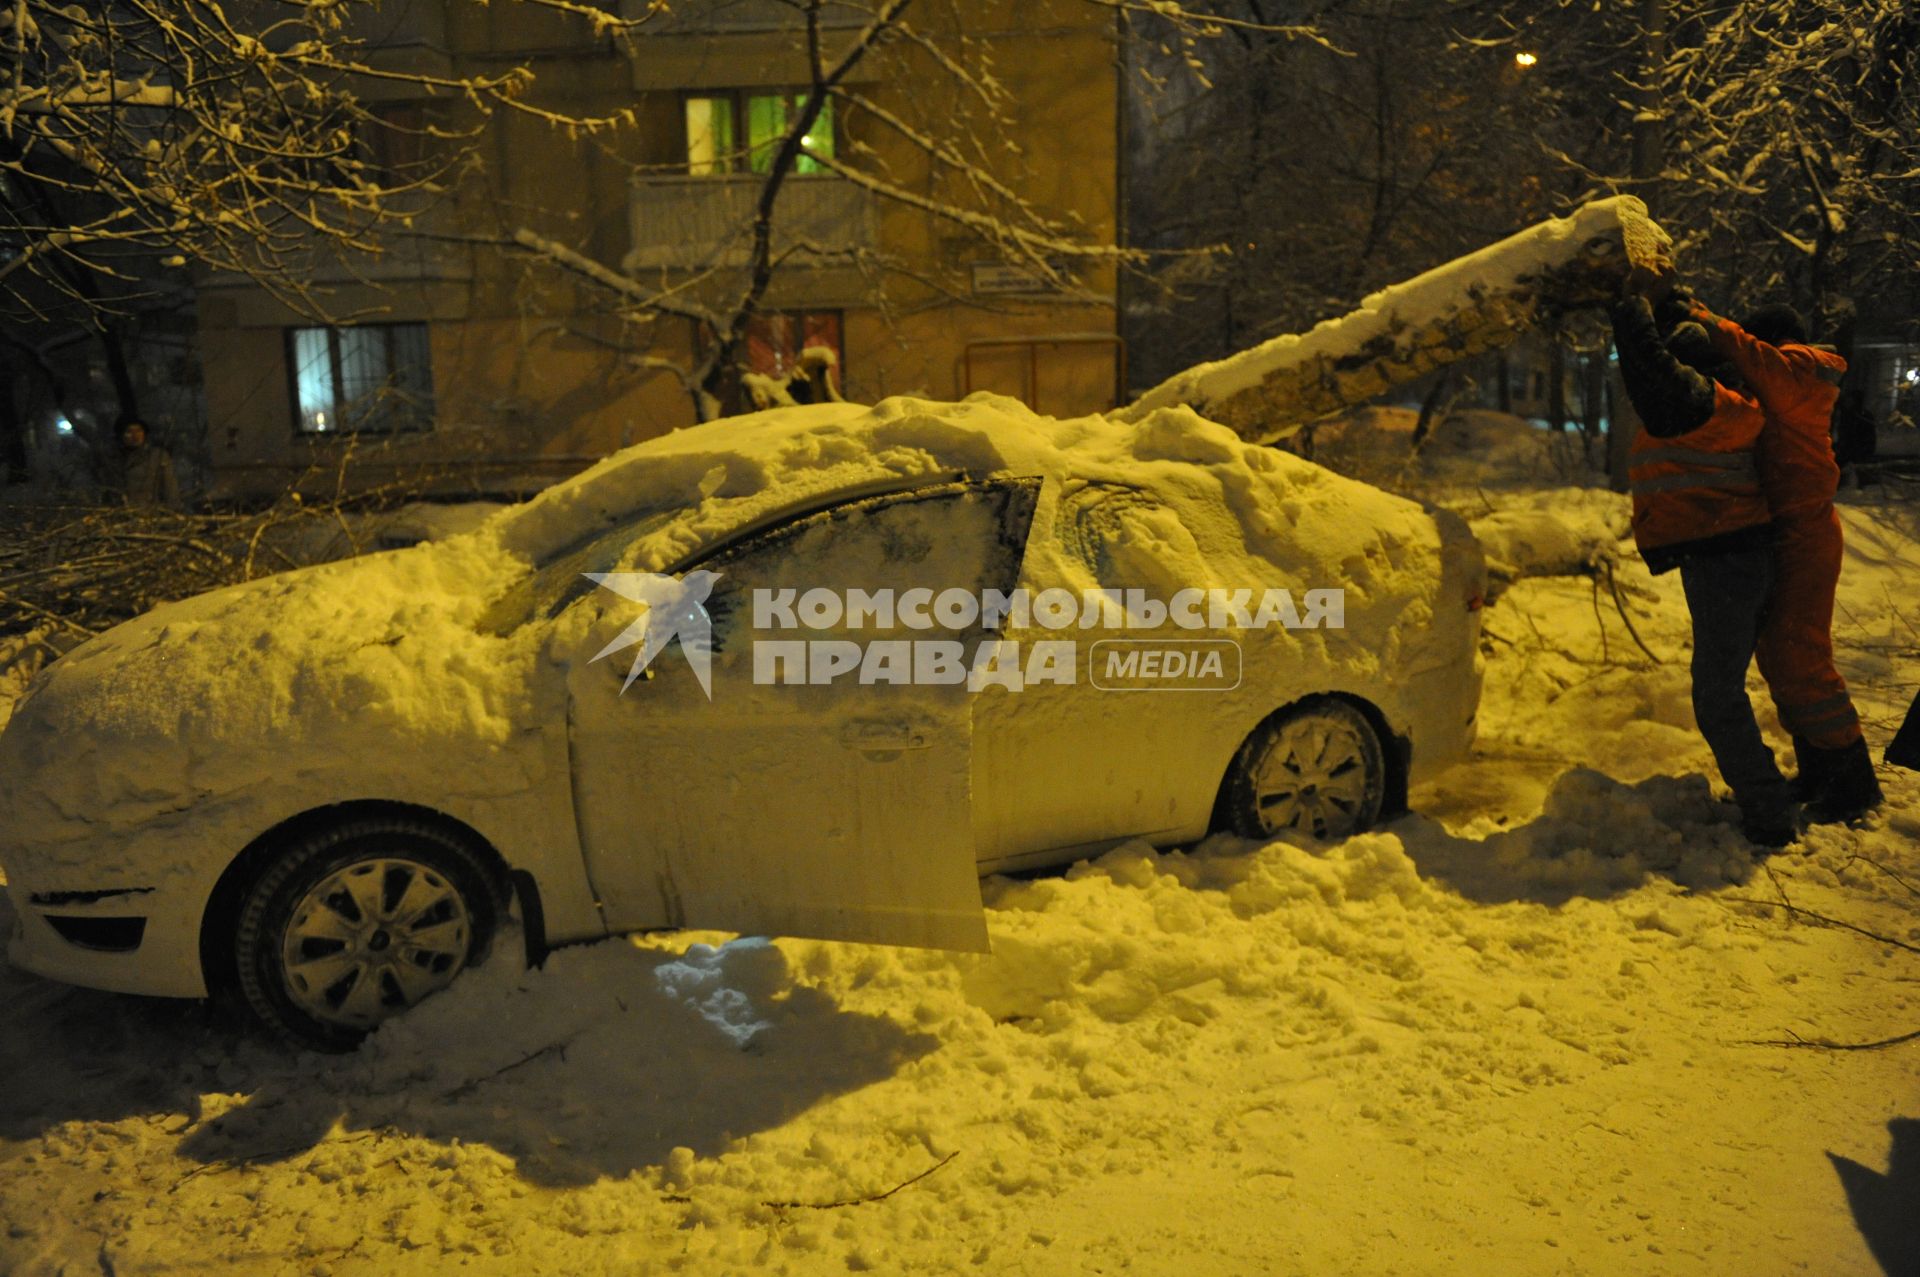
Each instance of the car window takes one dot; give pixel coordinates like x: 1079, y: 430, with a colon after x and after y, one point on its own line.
x: 1127, y: 538
x: 966, y: 535
x: 560, y: 580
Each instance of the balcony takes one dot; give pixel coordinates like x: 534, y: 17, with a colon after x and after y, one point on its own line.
x: 735, y: 44
x: 720, y: 17
x: 417, y: 276
x: 690, y: 223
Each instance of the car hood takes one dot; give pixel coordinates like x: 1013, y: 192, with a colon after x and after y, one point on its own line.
x: 372, y: 663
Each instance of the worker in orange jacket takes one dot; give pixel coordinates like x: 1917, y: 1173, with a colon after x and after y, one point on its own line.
x: 1698, y: 507
x: 1797, y: 384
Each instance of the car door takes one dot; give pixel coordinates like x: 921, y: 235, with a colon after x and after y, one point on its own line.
x: 1085, y: 765
x: 832, y: 808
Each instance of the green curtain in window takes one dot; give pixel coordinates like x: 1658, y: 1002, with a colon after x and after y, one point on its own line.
x: 769, y: 115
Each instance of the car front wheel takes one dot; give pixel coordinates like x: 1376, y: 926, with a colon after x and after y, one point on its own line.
x: 1315, y: 768
x: 356, y: 923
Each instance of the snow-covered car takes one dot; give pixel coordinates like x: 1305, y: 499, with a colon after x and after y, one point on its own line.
x: 328, y: 789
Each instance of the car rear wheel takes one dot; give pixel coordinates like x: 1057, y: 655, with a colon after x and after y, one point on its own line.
x: 358, y: 922
x: 1314, y: 768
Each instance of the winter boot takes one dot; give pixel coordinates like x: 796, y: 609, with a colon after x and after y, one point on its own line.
x: 1813, y: 776
x: 1852, y: 790
x: 1904, y: 749
x: 1767, y: 817
x: 1769, y: 829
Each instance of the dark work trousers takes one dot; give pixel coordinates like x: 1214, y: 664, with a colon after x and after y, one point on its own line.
x: 1727, y: 595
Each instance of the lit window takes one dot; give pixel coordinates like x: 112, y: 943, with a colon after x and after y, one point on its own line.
x: 715, y: 124
x: 769, y: 116
x: 368, y: 378
x: 710, y: 147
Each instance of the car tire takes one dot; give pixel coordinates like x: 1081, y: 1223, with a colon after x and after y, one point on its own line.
x: 1316, y: 768
x: 358, y: 921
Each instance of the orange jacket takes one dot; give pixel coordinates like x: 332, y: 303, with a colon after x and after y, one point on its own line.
x: 1699, y: 486
x: 1797, y: 386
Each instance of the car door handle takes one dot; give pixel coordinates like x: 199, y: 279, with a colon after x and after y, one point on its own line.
x: 872, y: 737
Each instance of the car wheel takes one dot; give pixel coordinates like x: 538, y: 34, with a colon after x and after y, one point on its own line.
x: 358, y: 922
x: 1315, y: 768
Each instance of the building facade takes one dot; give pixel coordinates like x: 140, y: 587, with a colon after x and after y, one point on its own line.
x: 460, y: 359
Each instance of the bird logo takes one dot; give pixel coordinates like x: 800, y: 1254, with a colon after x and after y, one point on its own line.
x: 675, y: 608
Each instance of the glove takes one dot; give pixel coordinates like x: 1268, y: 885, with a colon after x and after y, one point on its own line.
x: 1677, y: 307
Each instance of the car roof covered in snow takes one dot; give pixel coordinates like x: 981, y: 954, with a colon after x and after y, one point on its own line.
x: 731, y: 472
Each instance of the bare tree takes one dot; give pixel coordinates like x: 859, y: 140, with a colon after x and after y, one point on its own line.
x: 940, y: 151
x: 241, y: 138
x: 1779, y: 138
x: 1319, y: 171
x: 1796, y: 132
x: 145, y: 143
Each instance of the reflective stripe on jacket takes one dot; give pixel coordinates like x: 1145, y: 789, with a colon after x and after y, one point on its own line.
x: 1702, y: 484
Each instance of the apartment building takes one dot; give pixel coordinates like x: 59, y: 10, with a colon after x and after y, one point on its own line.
x: 457, y: 360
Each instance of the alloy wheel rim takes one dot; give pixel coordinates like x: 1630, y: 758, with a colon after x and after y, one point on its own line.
x: 372, y: 939
x: 1313, y: 779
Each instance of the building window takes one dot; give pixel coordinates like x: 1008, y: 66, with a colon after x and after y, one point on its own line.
x: 365, y: 379
x: 395, y: 142
x: 740, y: 132
x: 776, y: 349
x: 776, y: 338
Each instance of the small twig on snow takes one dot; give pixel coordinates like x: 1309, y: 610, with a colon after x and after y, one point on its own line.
x: 861, y: 1201
x: 1600, y: 623
x: 1883, y: 869
x: 1621, y: 603
x: 1828, y: 1044
x: 1778, y: 886
x: 269, y: 1155
x: 45, y: 615
x: 1811, y: 916
x: 473, y: 1084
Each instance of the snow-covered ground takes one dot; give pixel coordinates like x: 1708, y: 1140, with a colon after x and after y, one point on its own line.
x: 1555, y: 1023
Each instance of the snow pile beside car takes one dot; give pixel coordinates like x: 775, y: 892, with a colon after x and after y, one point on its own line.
x: 1561, y: 532
x: 1469, y: 450
x: 1477, y: 448
x: 1540, y: 1037
x: 1163, y: 1047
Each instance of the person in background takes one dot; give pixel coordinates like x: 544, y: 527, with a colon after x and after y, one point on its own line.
x: 1797, y: 385
x: 1698, y: 508
x: 146, y: 472
x: 1855, y: 434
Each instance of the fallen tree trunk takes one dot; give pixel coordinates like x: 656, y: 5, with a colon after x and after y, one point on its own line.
x: 1469, y: 306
